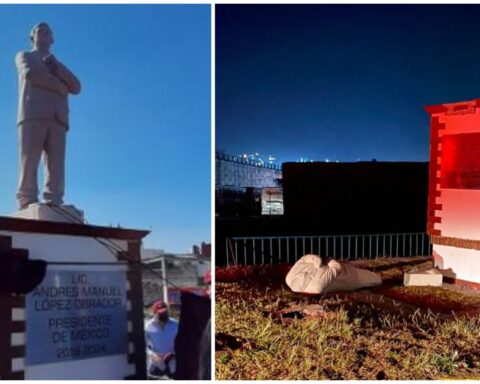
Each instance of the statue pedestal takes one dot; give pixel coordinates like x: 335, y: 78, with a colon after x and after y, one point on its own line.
x: 84, y: 321
x: 44, y: 212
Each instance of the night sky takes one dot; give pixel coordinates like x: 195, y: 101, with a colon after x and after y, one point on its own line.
x: 340, y: 82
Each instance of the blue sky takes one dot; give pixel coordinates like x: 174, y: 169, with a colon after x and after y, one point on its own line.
x: 138, y: 151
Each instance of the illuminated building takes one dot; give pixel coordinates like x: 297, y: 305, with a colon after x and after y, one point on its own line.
x: 245, y: 171
x: 239, y: 181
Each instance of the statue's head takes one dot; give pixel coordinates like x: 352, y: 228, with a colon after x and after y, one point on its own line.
x: 41, y: 35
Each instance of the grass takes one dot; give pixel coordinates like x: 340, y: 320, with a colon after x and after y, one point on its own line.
x: 436, y: 298
x: 262, y: 334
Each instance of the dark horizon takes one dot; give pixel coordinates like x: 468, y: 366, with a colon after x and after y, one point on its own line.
x: 340, y: 82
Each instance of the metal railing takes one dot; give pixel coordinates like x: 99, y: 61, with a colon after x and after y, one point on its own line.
x: 288, y: 249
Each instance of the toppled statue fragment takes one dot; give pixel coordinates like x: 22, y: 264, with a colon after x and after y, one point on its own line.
x: 311, y: 275
x: 419, y: 278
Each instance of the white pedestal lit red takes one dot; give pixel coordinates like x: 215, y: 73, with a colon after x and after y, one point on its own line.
x: 454, y: 191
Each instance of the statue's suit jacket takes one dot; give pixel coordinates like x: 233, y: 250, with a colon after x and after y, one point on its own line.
x: 39, y: 95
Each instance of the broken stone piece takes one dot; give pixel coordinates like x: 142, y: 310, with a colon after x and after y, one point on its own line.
x: 430, y: 277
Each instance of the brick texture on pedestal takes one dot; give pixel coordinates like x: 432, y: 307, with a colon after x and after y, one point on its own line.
x: 12, y: 323
x: 454, y: 190
x: 13, y: 312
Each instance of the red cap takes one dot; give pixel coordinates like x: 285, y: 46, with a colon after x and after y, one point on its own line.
x: 208, y: 278
x: 159, y: 307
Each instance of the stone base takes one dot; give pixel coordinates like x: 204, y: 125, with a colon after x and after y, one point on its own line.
x: 462, y: 264
x: 432, y: 277
x: 44, y: 212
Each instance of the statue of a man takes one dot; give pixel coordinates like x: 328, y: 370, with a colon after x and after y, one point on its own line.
x: 44, y: 84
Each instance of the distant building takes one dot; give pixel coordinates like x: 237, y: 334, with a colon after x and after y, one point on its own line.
x: 333, y: 198
x: 147, y: 254
x: 238, y: 172
x: 182, y: 271
x: 239, y: 182
x: 206, y: 249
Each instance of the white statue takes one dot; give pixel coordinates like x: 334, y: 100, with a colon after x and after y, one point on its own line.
x: 44, y: 84
x: 311, y: 275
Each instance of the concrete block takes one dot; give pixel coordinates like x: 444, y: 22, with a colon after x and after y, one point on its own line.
x: 431, y: 277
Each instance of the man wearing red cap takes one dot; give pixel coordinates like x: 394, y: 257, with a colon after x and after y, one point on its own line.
x: 160, y: 333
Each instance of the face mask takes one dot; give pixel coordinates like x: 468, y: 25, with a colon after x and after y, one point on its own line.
x: 162, y: 317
